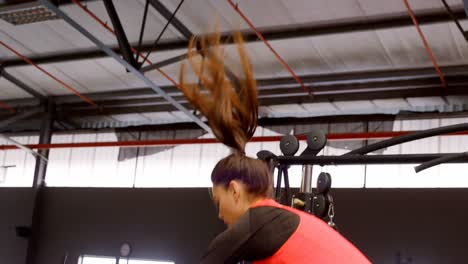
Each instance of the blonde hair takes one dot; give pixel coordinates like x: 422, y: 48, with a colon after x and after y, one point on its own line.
x: 231, y: 114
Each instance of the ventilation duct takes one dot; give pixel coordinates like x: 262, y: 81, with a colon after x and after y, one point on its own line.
x: 26, y: 13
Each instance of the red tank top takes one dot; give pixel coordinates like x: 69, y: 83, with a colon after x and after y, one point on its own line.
x: 312, y: 242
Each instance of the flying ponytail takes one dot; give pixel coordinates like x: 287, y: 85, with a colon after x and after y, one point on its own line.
x: 231, y: 108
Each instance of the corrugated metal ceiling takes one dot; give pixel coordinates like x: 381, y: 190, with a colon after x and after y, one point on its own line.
x: 358, y: 51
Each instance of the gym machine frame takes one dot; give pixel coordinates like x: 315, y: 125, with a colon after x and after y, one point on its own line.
x: 319, y: 201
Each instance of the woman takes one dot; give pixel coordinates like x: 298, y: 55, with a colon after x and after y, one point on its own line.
x: 259, y: 229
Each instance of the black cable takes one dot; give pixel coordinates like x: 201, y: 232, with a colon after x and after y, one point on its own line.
x: 142, y: 30
x: 409, y: 137
x: 361, y: 159
x: 444, y: 159
x: 162, y: 32
x: 278, y: 183
x: 453, y: 17
x: 286, y: 185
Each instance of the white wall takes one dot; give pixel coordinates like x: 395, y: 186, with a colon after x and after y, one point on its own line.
x: 22, y: 172
x: 191, y: 165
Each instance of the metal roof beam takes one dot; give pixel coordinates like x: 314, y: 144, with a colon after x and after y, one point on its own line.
x: 292, y: 31
x: 129, y: 67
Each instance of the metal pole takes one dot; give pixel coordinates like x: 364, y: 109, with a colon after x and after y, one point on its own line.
x: 38, y: 184
x: 306, y: 183
x: 44, y: 138
x: 125, y: 47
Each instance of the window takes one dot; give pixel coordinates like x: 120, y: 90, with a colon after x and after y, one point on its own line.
x: 88, y: 167
x: 86, y: 259
x: 142, y: 261
x: 96, y: 260
x: 191, y: 165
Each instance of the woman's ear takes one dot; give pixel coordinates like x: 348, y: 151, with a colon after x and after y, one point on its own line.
x: 235, y: 189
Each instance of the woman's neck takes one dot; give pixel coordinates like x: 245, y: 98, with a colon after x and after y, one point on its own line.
x: 254, y: 200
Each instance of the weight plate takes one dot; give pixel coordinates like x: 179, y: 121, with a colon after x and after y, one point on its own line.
x: 289, y: 145
x: 319, y: 206
x: 323, y: 182
x: 316, y: 140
